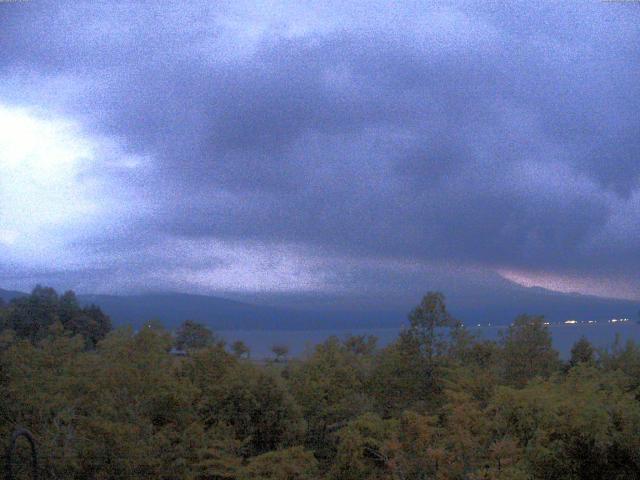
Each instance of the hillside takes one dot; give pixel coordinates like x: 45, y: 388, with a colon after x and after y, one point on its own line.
x: 500, y: 307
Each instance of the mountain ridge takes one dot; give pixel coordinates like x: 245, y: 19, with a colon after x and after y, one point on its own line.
x: 171, y: 308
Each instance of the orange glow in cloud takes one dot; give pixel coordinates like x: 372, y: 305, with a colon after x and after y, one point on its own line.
x: 584, y: 285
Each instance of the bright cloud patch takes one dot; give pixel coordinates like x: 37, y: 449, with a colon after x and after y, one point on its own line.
x: 468, y: 137
x: 50, y: 191
x: 587, y: 285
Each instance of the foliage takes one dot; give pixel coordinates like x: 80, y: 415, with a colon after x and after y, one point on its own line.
x: 193, y: 335
x: 329, y: 387
x: 281, y: 352
x: 32, y: 316
x: 252, y: 401
x: 528, y: 351
x: 582, y: 352
x: 411, y: 373
x: 290, y: 464
x: 240, y: 349
x: 438, y: 403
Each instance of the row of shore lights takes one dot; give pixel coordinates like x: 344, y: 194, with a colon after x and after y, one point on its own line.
x: 613, y: 320
x: 573, y: 322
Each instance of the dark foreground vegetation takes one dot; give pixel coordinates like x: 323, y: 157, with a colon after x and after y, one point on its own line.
x: 436, y: 404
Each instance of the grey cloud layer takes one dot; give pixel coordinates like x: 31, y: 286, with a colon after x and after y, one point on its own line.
x: 503, y: 137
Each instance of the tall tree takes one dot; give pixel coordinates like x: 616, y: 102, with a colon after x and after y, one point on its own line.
x: 192, y: 335
x: 329, y: 387
x: 253, y: 401
x: 528, y: 351
x: 361, y: 344
x: 415, y: 363
x: 240, y: 349
x: 31, y: 316
x: 581, y: 352
x: 68, y: 307
x: 427, y: 322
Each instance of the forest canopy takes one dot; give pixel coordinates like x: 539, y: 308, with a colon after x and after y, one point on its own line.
x: 437, y: 403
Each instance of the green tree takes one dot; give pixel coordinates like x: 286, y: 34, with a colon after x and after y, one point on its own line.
x: 362, y: 451
x: 91, y: 323
x: 625, y: 359
x: 289, y: 464
x: 193, y: 335
x: 252, y: 401
x: 3, y: 315
x: 581, y: 352
x: 427, y: 323
x: 396, y: 383
x: 240, y: 349
x: 220, y: 455
x: 429, y: 330
x: 281, y: 352
x: 137, y: 409
x: 410, y: 372
x: 31, y: 316
x: 528, y: 351
x: 477, y: 372
x: 68, y: 307
x: 582, y: 426
x: 361, y: 344
x: 329, y: 387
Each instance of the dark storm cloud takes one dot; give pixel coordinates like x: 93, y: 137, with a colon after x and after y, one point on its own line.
x: 503, y: 137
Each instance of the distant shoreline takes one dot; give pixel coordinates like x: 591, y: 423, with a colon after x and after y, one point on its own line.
x: 602, y: 334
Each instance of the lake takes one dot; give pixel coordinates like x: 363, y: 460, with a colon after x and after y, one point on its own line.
x: 601, y: 335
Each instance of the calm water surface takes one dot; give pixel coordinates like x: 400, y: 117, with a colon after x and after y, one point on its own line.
x: 602, y: 335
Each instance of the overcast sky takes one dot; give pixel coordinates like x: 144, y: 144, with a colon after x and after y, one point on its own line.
x: 370, y: 149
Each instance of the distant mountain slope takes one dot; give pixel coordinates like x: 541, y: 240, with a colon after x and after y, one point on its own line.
x: 219, y: 313
x: 173, y: 308
x: 503, y: 307
x: 498, y: 307
x: 8, y: 295
x: 222, y: 314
